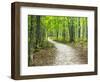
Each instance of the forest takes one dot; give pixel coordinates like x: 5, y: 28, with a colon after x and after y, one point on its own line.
x: 68, y: 30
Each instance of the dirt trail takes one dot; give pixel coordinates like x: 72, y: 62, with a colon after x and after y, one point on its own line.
x: 65, y: 54
x: 61, y: 54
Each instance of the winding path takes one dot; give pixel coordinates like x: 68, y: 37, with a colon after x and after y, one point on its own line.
x: 65, y: 54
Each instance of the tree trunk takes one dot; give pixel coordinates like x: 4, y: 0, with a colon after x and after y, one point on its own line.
x: 37, y: 31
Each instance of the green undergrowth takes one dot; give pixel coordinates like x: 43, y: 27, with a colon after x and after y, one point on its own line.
x: 46, y: 45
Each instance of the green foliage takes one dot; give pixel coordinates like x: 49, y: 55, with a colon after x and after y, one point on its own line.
x: 64, y: 29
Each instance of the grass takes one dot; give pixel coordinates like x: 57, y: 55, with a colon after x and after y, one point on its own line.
x: 46, y: 45
x: 75, y: 44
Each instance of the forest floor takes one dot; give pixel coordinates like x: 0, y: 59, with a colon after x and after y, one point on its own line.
x: 61, y: 54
